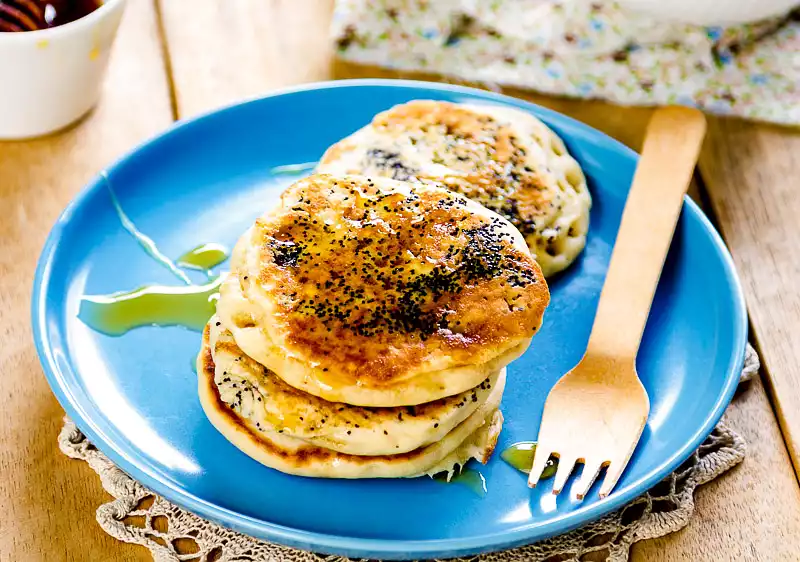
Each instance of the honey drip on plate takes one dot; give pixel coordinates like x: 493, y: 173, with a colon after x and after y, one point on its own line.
x: 520, y: 456
x: 161, y: 305
x: 147, y: 244
x: 187, y: 305
x: 293, y: 169
x: 467, y: 477
x: 203, y: 258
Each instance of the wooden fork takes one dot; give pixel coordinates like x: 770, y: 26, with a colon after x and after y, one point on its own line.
x: 596, y: 412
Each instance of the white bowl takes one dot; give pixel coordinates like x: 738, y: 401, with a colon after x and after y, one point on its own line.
x: 50, y: 78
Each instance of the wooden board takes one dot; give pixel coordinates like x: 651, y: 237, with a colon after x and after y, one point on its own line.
x: 224, y: 51
x: 49, y: 500
x: 750, y: 514
x: 751, y: 173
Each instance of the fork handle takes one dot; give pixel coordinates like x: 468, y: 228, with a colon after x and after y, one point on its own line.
x: 671, y: 147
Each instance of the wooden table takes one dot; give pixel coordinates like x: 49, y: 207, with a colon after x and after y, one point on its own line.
x: 171, y: 61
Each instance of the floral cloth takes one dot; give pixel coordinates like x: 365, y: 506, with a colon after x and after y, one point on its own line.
x: 583, y: 49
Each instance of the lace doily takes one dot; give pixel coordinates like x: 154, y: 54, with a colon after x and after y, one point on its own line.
x: 172, y: 534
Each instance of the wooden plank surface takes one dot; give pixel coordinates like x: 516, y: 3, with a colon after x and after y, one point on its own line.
x: 224, y: 51
x: 49, y: 500
x: 751, y: 173
x: 750, y: 514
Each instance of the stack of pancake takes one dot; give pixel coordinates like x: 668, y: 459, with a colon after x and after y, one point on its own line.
x: 365, y: 326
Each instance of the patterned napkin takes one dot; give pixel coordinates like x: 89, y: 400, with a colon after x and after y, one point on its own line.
x: 585, y: 49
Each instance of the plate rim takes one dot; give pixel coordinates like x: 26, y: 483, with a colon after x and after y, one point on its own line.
x: 151, y: 478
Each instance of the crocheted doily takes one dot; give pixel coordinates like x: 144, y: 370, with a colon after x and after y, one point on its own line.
x: 138, y: 516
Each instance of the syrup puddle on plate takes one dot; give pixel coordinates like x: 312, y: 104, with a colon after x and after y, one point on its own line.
x: 293, y: 169
x: 520, y: 456
x: 161, y: 305
x: 204, y: 257
x: 468, y: 477
x: 189, y: 305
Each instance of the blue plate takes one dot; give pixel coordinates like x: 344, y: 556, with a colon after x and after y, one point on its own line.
x: 206, y: 180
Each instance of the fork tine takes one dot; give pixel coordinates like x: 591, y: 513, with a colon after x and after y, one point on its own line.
x: 565, y: 465
x: 590, y: 471
x: 540, y: 457
x: 613, y: 473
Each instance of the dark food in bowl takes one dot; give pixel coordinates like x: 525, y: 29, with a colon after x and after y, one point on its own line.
x: 21, y: 15
x: 32, y: 15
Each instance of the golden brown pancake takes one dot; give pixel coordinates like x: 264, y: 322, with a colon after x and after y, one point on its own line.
x: 475, y: 437
x: 375, y: 292
x: 255, y: 393
x: 503, y: 158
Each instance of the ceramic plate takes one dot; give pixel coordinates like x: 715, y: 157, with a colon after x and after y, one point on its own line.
x: 206, y: 180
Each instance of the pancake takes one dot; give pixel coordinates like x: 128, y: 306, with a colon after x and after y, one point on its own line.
x: 475, y: 437
x: 503, y: 158
x: 381, y: 293
x: 255, y: 393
